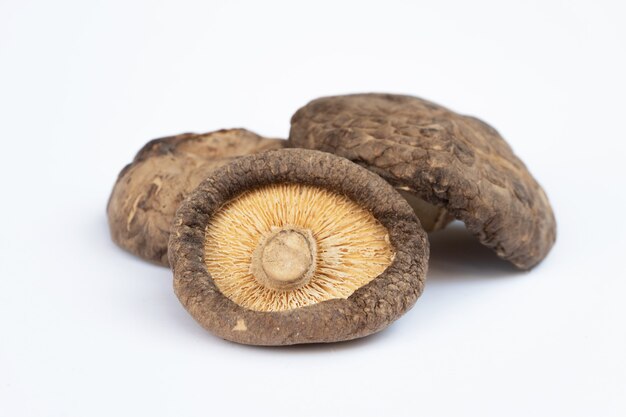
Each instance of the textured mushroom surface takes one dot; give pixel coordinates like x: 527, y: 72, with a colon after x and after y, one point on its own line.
x: 149, y: 190
x: 447, y: 159
x: 296, y: 246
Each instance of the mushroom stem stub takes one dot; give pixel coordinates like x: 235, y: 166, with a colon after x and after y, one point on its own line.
x: 285, y: 258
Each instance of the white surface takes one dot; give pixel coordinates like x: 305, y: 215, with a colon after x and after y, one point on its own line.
x: 88, y: 330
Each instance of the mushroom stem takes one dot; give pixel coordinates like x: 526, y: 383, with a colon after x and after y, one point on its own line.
x: 285, y: 258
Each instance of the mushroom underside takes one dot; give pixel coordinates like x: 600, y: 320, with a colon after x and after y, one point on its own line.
x: 288, y: 246
x: 296, y: 246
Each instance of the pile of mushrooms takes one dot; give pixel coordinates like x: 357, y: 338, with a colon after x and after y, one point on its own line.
x: 323, y: 237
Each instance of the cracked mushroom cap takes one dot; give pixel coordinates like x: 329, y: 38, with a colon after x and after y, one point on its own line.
x: 296, y: 246
x: 149, y: 190
x: 441, y: 157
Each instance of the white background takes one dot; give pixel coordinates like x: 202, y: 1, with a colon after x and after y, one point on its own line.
x: 88, y: 330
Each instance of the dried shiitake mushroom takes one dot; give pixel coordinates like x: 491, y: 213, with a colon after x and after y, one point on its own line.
x: 444, y: 158
x: 296, y: 246
x: 149, y: 190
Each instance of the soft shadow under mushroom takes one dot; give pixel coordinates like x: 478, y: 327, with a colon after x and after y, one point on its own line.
x: 457, y: 255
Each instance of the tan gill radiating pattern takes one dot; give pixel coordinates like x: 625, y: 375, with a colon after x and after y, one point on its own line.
x: 353, y: 247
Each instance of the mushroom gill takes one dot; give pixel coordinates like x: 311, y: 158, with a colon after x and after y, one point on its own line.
x: 286, y: 246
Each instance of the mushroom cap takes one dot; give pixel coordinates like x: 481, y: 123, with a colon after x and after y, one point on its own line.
x: 445, y: 158
x: 149, y: 190
x: 368, y: 309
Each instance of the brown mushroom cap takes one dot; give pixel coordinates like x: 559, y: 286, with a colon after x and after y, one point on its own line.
x: 149, y: 190
x: 447, y: 159
x: 213, y: 241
